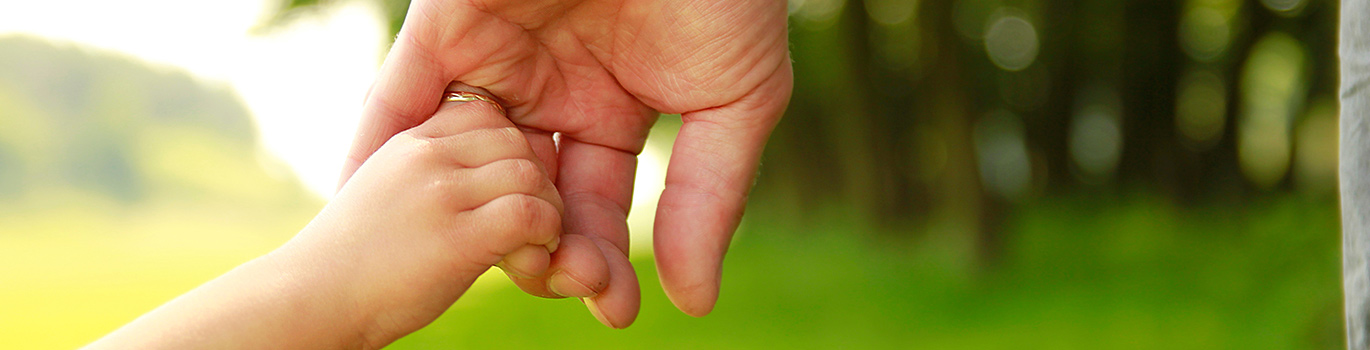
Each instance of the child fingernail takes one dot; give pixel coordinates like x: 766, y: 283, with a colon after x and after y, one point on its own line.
x: 529, y: 261
x: 513, y: 272
x: 561, y: 283
x: 552, y: 247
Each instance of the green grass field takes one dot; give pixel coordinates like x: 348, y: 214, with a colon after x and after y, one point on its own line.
x: 1133, y: 273
x: 1138, y: 275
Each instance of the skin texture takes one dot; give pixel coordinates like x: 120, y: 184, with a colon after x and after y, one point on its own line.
x: 597, y: 72
x: 431, y: 210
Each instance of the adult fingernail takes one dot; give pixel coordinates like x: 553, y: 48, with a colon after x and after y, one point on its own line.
x: 599, y: 315
x: 561, y: 283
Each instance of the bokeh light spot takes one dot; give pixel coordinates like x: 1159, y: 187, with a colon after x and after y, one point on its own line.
x: 1272, y: 86
x: 816, y: 14
x: 1315, y: 158
x: 1285, y: 7
x: 1011, y: 42
x: 891, y: 12
x: 1001, y: 149
x: 1096, y: 136
x: 1205, y: 33
x: 1201, y: 109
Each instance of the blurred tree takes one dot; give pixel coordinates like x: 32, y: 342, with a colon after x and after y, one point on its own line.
x: 940, y: 116
x: 111, y: 126
x: 393, y: 10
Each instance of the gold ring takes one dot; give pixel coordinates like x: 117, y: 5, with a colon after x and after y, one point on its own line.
x: 465, y: 96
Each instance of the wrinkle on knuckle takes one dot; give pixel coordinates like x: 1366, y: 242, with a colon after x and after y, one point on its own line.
x: 544, y: 223
x: 421, y: 38
x: 694, y: 194
x: 508, y: 136
x: 510, y: 208
x: 532, y: 217
x: 589, y: 198
x: 527, y: 176
x: 495, y: 137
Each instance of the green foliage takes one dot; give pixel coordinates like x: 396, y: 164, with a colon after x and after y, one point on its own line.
x: 394, y: 11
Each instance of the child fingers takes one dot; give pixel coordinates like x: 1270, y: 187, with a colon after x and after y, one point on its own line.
x: 528, y: 261
x: 503, y: 177
x: 482, y: 146
x: 471, y: 149
x: 545, y: 147
x: 512, y: 221
x: 577, y: 269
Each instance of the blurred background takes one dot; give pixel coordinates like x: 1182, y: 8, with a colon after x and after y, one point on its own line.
x: 1124, y: 174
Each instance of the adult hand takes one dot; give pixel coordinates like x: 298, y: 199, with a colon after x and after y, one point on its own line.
x: 597, y: 72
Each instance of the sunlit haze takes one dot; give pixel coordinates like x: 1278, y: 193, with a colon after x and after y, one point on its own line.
x: 303, y: 82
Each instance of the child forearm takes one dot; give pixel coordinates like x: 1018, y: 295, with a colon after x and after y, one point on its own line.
x: 275, y: 301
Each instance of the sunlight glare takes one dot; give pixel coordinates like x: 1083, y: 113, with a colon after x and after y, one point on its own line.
x: 303, y: 83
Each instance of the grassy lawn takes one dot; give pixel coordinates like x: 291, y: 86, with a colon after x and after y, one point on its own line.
x: 1138, y: 273
x: 1079, y: 272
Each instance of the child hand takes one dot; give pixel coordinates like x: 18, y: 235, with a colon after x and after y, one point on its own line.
x: 435, y: 207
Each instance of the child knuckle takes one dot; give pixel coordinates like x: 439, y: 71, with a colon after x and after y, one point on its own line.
x: 507, y: 136
x: 403, y: 136
x: 420, y: 149
x: 522, y: 207
x: 528, y: 213
x: 543, y: 221
x: 544, y: 231
x: 448, y: 194
x: 527, y: 175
